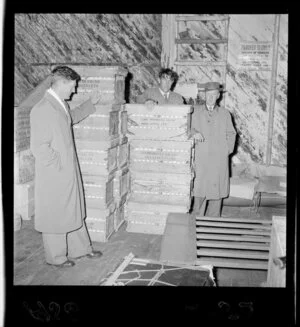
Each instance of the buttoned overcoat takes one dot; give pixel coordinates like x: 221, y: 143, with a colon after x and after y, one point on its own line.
x: 211, y: 156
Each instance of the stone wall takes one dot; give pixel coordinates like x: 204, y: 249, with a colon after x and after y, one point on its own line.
x: 132, y: 40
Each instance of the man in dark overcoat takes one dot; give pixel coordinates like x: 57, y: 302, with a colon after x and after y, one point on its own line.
x: 215, y: 136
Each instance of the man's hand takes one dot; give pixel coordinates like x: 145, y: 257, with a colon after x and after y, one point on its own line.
x: 95, y: 97
x: 150, y: 104
x: 199, y: 137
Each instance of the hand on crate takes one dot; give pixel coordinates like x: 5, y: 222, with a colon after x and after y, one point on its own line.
x: 199, y: 137
x: 150, y: 104
x: 95, y: 97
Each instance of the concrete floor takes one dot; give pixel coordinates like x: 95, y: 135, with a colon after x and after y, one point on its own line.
x: 30, y: 267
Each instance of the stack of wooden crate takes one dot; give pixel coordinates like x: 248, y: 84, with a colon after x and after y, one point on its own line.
x: 102, y: 148
x: 161, y: 156
x: 23, y: 165
x: 24, y: 162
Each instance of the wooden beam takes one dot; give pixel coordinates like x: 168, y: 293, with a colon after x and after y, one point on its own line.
x: 111, y: 280
x: 168, y: 36
x: 233, y: 263
x: 230, y: 231
x: 199, y: 41
x: 199, y: 63
x: 220, y: 224
x: 201, y: 18
x: 261, y: 239
x: 233, y: 254
x: 273, y: 89
x: 235, y: 220
x: 233, y: 245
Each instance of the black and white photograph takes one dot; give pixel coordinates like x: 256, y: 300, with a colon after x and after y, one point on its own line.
x: 150, y: 149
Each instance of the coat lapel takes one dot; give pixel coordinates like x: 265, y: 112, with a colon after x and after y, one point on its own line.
x: 57, y: 106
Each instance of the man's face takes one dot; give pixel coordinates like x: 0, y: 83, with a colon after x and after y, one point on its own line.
x: 68, y: 88
x: 211, y: 97
x: 165, y: 83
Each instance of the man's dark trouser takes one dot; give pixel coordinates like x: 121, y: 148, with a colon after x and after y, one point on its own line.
x: 213, y: 207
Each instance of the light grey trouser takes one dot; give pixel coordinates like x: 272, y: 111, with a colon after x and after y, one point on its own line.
x: 213, y: 207
x: 73, y: 244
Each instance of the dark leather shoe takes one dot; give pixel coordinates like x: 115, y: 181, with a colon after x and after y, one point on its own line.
x: 66, y: 264
x: 94, y: 255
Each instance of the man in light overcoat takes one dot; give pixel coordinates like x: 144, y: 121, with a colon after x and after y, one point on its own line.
x: 215, y: 136
x: 59, y: 197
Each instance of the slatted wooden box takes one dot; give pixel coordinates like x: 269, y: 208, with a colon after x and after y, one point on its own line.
x: 123, y: 153
x: 168, y: 122
x: 25, y: 210
x: 95, y: 134
x: 148, y: 218
x: 21, y: 128
x: 98, y: 158
x: 276, y: 272
x: 123, y: 122
x: 145, y: 222
x: 102, y: 125
x: 108, y: 80
x: 100, y: 223
x: 120, y: 212
x: 23, y: 193
x: 24, y: 166
x: 99, y: 190
x: 121, y: 183
x: 161, y: 188
x: 161, y: 156
x: 107, y: 123
x: 233, y: 242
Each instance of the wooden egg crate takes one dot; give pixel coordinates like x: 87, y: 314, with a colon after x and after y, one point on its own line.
x: 233, y: 242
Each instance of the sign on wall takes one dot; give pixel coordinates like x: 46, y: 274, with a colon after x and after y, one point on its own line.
x: 255, y: 56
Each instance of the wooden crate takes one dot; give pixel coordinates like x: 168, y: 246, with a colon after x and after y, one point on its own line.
x: 276, y: 272
x: 108, y: 80
x: 94, y: 133
x: 100, y: 223
x: 233, y: 242
x: 21, y: 128
x: 120, y: 213
x: 153, y: 207
x: 123, y: 153
x: 23, y: 193
x: 161, y: 188
x: 123, y: 122
x: 168, y: 122
x: 148, y: 218
x: 97, y: 158
x: 121, y: 183
x: 25, y: 210
x: 108, y: 122
x: 24, y: 166
x: 99, y: 190
x: 145, y: 222
x: 161, y: 156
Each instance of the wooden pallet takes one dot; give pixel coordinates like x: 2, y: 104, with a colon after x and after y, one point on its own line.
x: 233, y: 242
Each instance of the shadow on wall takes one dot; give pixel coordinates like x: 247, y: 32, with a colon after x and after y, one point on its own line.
x: 237, y: 140
x: 128, y: 80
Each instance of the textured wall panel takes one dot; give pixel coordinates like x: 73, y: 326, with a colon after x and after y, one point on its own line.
x: 133, y: 40
x: 248, y: 93
x: 280, y: 110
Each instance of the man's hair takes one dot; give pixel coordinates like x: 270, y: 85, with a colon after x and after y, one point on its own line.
x: 64, y: 72
x: 169, y: 72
